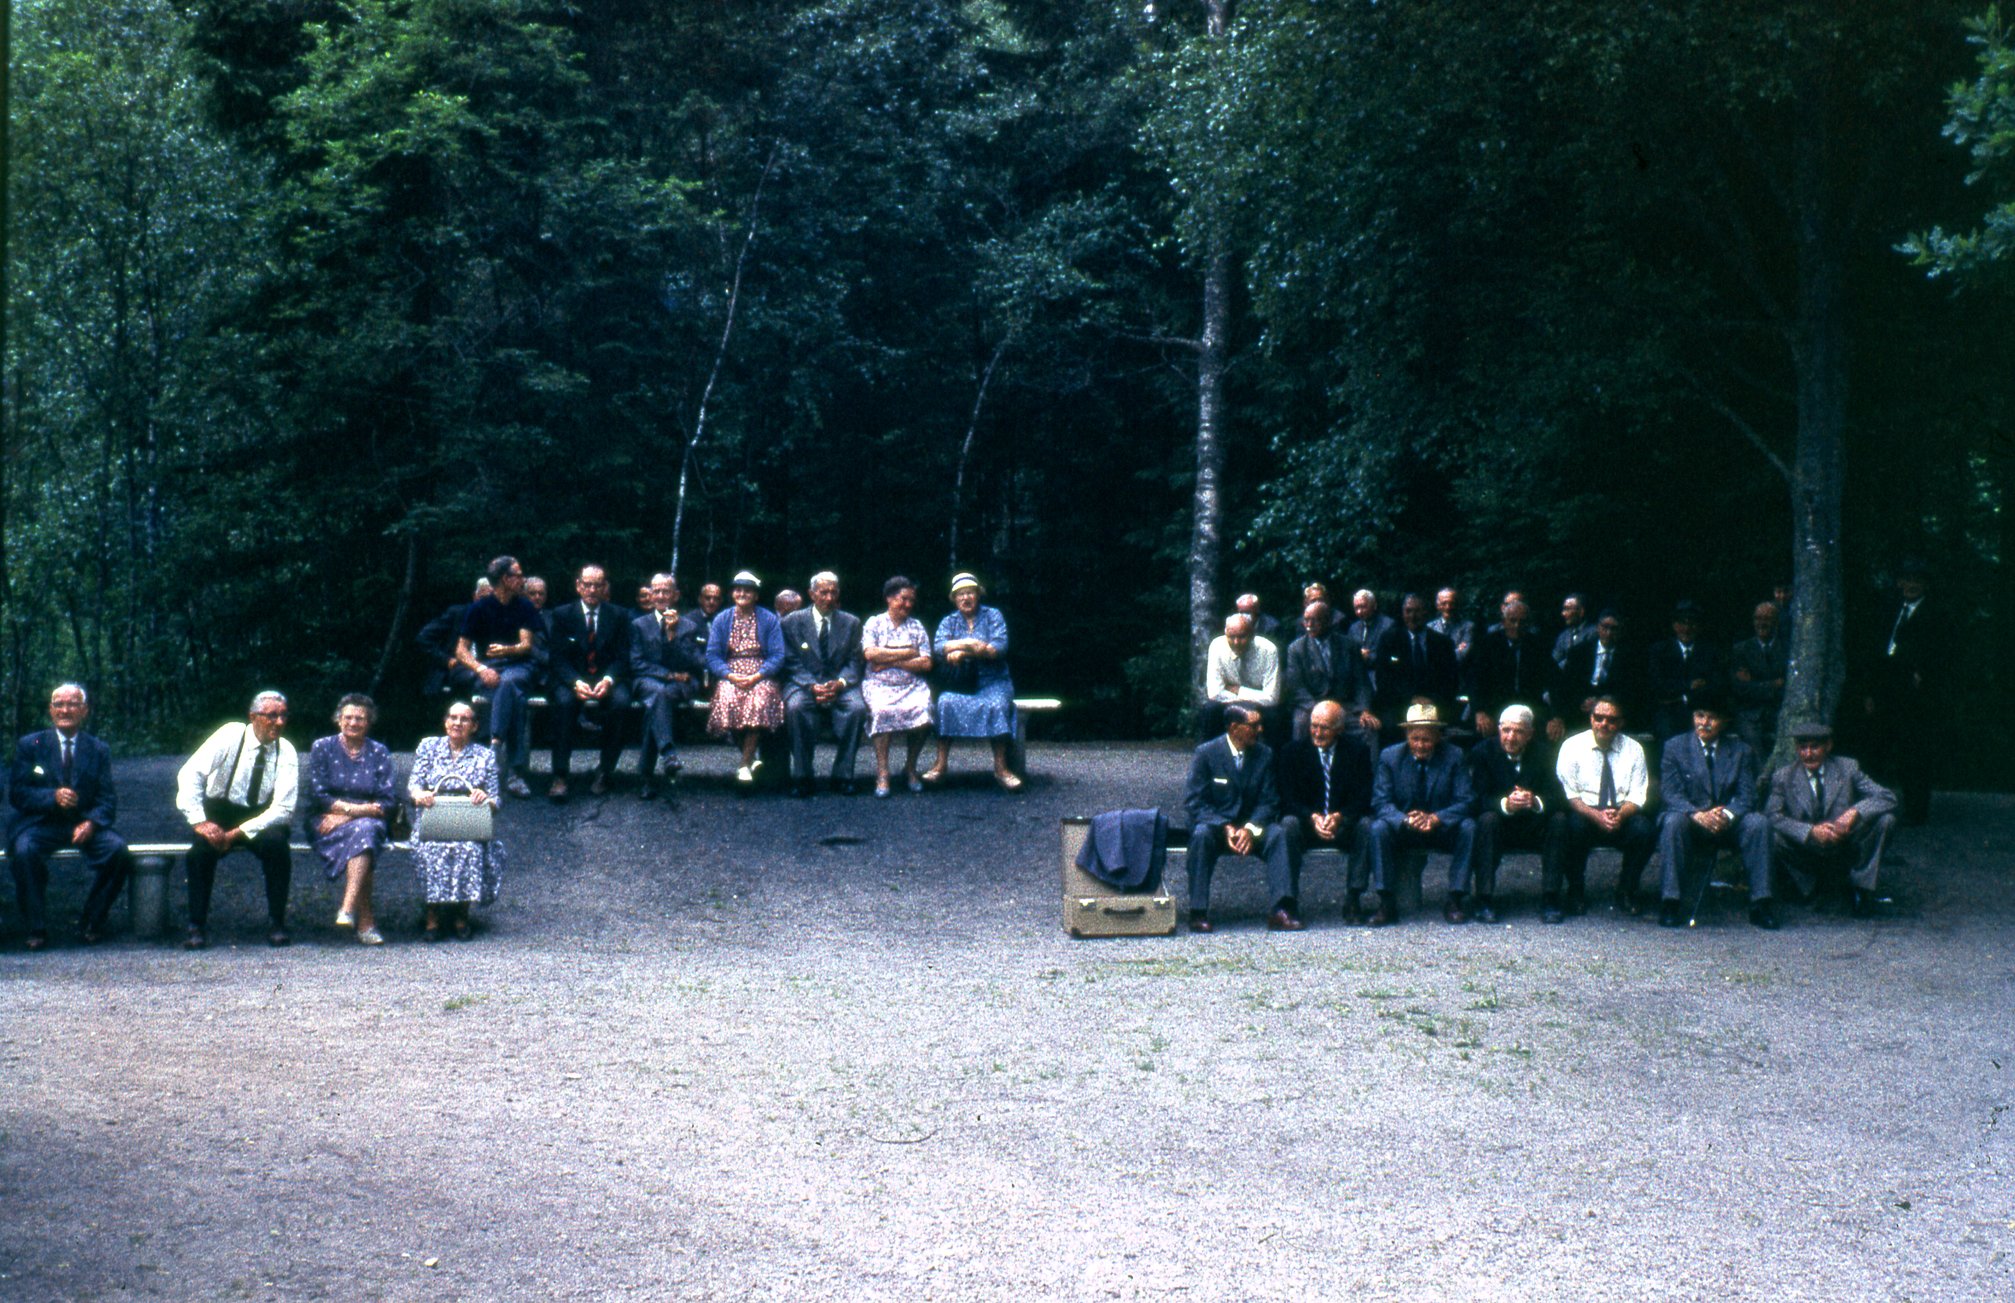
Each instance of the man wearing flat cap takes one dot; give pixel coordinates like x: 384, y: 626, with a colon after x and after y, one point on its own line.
x: 1829, y: 820
x: 1708, y: 779
x: 1420, y: 800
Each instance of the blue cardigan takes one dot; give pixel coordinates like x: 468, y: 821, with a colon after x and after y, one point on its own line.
x: 768, y: 627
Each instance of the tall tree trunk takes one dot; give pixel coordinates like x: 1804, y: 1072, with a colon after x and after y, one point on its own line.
x: 407, y: 588
x: 966, y: 447
x: 1819, y: 359
x: 12, y: 688
x: 1206, y: 530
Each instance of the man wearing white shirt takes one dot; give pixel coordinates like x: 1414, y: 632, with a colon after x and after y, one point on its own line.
x: 1603, y: 775
x: 238, y: 793
x: 1241, y: 667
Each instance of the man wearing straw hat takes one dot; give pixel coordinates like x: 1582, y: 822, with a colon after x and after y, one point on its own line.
x: 1421, y: 800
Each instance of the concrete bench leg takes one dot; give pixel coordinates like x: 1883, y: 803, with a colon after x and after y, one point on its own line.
x: 1406, y: 890
x: 147, y: 896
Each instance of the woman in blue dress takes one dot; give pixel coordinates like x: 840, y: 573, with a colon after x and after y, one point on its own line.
x: 455, y: 875
x: 974, y: 638
x: 352, y: 785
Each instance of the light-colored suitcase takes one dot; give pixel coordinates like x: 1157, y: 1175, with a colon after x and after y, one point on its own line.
x: 1097, y: 909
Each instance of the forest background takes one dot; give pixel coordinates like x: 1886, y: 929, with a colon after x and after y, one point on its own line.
x: 312, y: 306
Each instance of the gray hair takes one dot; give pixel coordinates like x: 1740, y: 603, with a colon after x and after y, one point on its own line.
x: 1516, y: 715
x: 1244, y: 621
x: 822, y: 577
x: 78, y: 688
x: 270, y: 694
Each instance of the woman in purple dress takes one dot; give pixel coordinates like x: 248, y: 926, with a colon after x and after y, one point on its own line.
x: 898, y: 653
x: 352, y: 786
x: 745, y: 650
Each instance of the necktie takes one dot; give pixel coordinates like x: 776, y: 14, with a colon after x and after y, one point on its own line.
x: 591, y: 624
x: 1419, y: 786
x: 1419, y: 658
x: 257, y: 777
x: 825, y: 639
x: 1818, y: 793
x: 1709, y: 748
x: 1601, y: 667
x: 1238, y: 761
x: 69, y: 760
x: 1605, y: 797
x: 1327, y: 754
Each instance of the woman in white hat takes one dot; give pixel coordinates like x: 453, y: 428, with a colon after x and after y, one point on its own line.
x: 976, y: 696
x: 745, y: 650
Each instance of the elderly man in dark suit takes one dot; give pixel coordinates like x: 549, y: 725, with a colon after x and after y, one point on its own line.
x: 1420, y: 800
x: 1519, y: 805
x: 1412, y: 660
x: 1325, y: 789
x: 1322, y: 666
x: 1828, y: 818
x: 1509, y: 665
x: 62, y: 793
x: 822, y: 682
x: 668, y: 658
x: 1682, y: 668
x: 1759, y: 668
x: 1448, y: 622
x: 1231, y: 800
x: 590, y: 642
x: 1913, y: 643
x: 1709, y: 781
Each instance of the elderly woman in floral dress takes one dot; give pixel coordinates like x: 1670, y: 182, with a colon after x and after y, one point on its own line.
x: 745, y: 650
x: 898, y: 653
x: 455, y: 874
x: 352, y: 786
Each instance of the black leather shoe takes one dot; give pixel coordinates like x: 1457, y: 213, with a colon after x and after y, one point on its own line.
x: 1763, y: 914
x: 1551, y: 912
x: 1386, y: 915
x: 1453, y: 912
x: 278, y: 937
x: 1485, y: 911
x: 1353, y: 912
x: 1200, y: 923
x: 1670, y: 915
x: 1863, y: 905
x: 195, y: 940
x: 1282, y: 920
x: 649, y: 791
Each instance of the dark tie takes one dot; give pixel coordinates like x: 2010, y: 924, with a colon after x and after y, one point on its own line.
x: 825, y: 639
x: 258, y: 777
x: 1419, y: 659
x: 1238, y: 761
x: 1710, y: 770
x: 1419, y: 786
x: 1818, y: 793
x: 69, y: 761
x: 1605, y: 798
x: 1601, y: 667
x: 1327, y: 755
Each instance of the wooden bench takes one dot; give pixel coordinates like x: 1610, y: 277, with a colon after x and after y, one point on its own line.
x: 147, y: 888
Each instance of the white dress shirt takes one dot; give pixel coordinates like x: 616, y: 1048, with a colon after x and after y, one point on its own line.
x: 1253, y: 678
x: 1580, y: 769
x: 210, y: 773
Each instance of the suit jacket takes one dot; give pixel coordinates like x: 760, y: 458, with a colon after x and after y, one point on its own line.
x: 38, y: 772
x: 1683, y: 781
x: 1626, y: 683
x: 1501, y: 673
x: 1394, y: 680
x: 578, y: 660
x: 1671, y: 675
x: 1301, y: 793
x: 1765, y: 666
x: 804, y: 666
x: 438, y: 638
x: 768, y: 628
x: 1220, y: 792
x: 1842, y: 785
x: 656, y: 658
x: 1393, y: 790
x: 1460, y: 632
x: 1917, y: 640
x: 1366, y: 638
x: 1343, y: 679
x: 1492, y: 775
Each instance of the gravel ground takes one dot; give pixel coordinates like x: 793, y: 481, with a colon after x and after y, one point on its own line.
x: 764, y: 1049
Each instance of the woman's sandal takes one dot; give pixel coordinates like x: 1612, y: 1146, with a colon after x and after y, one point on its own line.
x: 1008, y: 782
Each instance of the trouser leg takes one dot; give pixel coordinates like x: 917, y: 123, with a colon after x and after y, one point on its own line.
x: 110, y: 862
x: 28, y: 859
x: 566, y: 714
x: 1206, y: 842
x: 1677, y: 835
x: 1752, y: 838
x: 1282, y: 875
x: 1869, y: 838
x: 202, y: 864
x: 277, y: 862
x: 1381, y: 844
x: 850, y: 720
x: 1459, y: 840
x: 1486, y: 852
x: 507, y: 707
x: 615, y: 714
x: 801, y: 714
x: 1638, y: 840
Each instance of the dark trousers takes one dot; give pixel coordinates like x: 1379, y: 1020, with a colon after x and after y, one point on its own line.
x: 1858, y: 859
x: 1207, y: 843
x: 1905, y: 748
x: 28, y: 857
x: 516, y: 680
x: 1679, y: 839
x: 1528, y: 830
x: 269, y: 847
x: 849, y: 716
x: 567, y: 709
x: 1387, y: 840
x: 1349, y: 842
x: 1637, y: 838
x: 663, y: 699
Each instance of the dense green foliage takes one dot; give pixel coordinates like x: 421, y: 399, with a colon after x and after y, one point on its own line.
x: 317, y: 304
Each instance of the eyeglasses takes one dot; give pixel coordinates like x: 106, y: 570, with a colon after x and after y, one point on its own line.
x: 270, y: 714
x: 1606, y: 719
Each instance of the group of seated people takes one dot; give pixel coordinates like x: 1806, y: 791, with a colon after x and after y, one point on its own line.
x: 763, y: 670
x: 240, y: 791
x: 1820, y: 822
x: 1376, y: 665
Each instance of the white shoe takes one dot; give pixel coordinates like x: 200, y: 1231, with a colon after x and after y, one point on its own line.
x: 370, y: 936
x: 344, y: 918
x: 746, y: 774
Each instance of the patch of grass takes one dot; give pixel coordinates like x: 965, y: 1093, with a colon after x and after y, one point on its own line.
x: 455, y: 1002
x: 1179, y: 966
x: 1743, y: 977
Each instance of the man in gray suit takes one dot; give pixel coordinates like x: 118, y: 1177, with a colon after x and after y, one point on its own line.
x: 1759, y: 667
x: 1323, y: 666
x: 822, y: 676
x: 1709, y: 781
x: 667, y: 660
x: 1829, y: 818
x: 1232, y: 798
